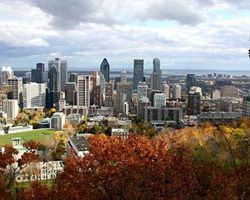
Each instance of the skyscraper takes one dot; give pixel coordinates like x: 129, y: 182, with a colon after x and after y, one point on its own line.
x: 104, y: 68
x: 246, y: 106
x: 73, y: 77
x: 176, y: 91
x: 142, y: 90
x: 124, y: 93
x: 95, y: 93
x: 190, y: 81
x: 159, y: 100
x: 109, y: 89
x: 156, y: 75
x: 194, y: 102
x: 138, y: 73
x: 83, y: 94
x: 34, y: 95
x: 15, y: 88
x: 10, y: 106
x: 6, y: 73
x: 61, y: 67
x: 70, y: 93
x: 52, y: 94
x: 38, y: 74
x: 166, y: 90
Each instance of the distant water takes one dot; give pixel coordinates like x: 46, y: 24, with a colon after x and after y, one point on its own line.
x: 169, y: 72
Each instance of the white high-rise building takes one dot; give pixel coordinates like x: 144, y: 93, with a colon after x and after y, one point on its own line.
x: 176, y: 91
x: 83, y: 88
x: 10, y: 106
x: 166, y: 89
x: 159, y: 100
x: 6, y: 73
x: 34, y: 95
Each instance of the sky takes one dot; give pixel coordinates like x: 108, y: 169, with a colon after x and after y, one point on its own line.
x: 183, y: 34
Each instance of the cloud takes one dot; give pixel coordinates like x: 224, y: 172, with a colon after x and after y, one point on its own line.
x: 68, y: 14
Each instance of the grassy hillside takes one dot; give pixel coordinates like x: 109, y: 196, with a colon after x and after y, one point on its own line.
x: 36, y: 135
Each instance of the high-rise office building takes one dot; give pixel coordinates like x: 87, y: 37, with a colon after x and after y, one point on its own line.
x: 246, y: 106
x: 52, y: 94
x: 109, y: 90
x: 194, y: 102
x: 104, y: 68
x: 230, y: 91
x: 38, y: 74
x: 123, y: 94
x: 156, y: 75
x: 10, y: 107
x: 34, y: 95
x: 176, y: 91
x: 73, y: 77
x: 6, y: 73
x: 142, y: 90
x: 3, y: 95
x: 166, y: 90
x: 159, y: 100
x: 61, y: 68
x: 143, y: 103
x: 190, y: 81
x: 15, y: 89
x: 95, y: 89
x: 70, y: 93
x: 82, y: 88
x: 138, y: 73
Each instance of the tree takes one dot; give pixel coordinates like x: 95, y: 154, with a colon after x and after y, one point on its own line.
x: 10, y: 168
x: 59, y: 151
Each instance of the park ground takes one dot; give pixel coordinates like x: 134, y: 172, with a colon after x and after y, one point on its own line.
x: 36, y: 135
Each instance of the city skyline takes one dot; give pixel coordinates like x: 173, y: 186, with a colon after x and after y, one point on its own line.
x: 207, y: 34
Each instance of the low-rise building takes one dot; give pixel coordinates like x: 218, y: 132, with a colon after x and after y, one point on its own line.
x: 58, y: 121
x: 78, y: 145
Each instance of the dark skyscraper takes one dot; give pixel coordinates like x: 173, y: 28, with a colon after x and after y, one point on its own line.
x: 52, y: 95
x: 138, y: 73
x: 73, y: 77
x: 194, y: 102
x: 61, y: 67
x: 38, y: 74
x: 156, y: 75
x: 190, y: 81
x: 104, y: 68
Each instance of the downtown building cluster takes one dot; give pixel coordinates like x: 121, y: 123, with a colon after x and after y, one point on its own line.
x: 161, y: 100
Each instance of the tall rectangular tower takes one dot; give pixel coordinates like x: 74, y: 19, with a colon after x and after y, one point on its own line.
x: 61, y: 67
x: 138, y: 73
x: 82, y: 88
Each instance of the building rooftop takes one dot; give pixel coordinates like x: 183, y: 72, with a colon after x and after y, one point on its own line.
x: 80, y: 142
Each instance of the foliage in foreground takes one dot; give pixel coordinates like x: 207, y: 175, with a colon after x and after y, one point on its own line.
x: 199, y: 163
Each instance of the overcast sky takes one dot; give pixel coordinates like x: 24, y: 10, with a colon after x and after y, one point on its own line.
x: 184, y: 34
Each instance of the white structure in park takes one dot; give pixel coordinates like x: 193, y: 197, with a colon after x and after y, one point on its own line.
x: 34, y: 95
x: 58, y: 121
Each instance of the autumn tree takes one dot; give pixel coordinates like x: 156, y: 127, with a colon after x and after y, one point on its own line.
x: 10, y: 167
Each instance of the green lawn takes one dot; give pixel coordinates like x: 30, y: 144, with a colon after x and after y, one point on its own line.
x: 36, y: 135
